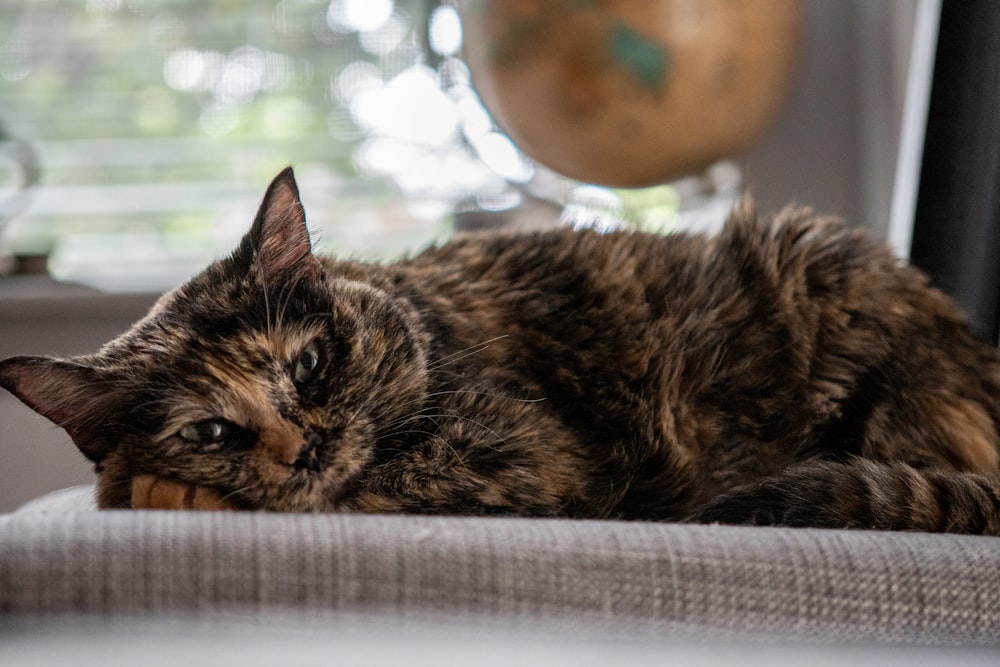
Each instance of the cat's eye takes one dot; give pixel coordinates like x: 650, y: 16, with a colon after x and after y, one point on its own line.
x: 307, y: 363
x: 207, y: 432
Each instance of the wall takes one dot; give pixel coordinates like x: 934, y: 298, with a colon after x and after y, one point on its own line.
x: 38, y: 317
x: 834, y: 146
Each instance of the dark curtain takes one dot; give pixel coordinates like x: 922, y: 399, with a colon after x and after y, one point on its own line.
x: 956, y: 233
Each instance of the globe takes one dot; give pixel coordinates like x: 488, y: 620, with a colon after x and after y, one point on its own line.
x: 629, y: 93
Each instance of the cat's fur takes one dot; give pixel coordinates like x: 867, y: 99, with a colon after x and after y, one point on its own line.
x: 785, y: 371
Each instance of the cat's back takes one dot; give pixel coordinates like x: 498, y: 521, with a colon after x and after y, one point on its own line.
x: 793, y: 256
x: 793, y: 301
x: 557, y: 261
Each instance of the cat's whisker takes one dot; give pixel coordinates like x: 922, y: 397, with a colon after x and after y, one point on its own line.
x: 422, y: 412
x: 236, y: 492
x: 287, y: 293
x: 415, y: 415
x: 432, y: 418
x: 462, y: 378
x: 471, y: 352
x: 437, y: 435
x: 269, y: 328
x: 451, y: 448
x: 396, y: 434
x: 445, y: 415
x: 467, y: 352
x: 491, y: 394
x: 469, y: 392
x: 126, y: 481
x: 150, y: 404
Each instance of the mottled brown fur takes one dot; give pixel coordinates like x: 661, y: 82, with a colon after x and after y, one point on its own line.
x: 784, y: 371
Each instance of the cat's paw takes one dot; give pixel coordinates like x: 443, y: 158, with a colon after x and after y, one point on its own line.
x: 752, y: 507
x: 801, y: 501
x: 157, y: 493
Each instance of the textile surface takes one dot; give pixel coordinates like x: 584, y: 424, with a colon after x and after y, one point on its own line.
x: 59, y: 558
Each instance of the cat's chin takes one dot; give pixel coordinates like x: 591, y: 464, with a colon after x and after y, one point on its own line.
x: 300, y: 491
x: 309, y: 492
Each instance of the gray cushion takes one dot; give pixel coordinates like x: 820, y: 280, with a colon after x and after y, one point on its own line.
x: 657, y: 580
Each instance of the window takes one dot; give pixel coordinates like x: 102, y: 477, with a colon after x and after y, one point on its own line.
x: 138, y: 136
x: 149, y: 129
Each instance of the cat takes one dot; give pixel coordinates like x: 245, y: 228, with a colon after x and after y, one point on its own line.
x: 784, y: 371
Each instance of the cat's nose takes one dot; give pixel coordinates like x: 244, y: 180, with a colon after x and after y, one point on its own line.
x: 308, y: 458
x: 288, y: 446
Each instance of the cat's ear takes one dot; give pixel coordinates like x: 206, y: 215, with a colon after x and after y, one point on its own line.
x: 278, y: 242
x: 69, y: 394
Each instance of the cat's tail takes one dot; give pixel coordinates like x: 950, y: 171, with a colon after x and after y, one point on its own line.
x: 864, y: 494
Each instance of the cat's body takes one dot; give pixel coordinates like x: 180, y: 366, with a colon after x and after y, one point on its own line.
x: 781, y: 372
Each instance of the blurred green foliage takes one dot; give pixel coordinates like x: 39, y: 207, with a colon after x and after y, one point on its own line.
x: 216, y: 95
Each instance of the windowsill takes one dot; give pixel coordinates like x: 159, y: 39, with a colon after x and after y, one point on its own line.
x: 39, y: 315
x: 42, y: 297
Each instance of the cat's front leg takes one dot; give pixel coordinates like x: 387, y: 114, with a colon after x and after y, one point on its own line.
x: 159, y: 493
x: 863, y: 494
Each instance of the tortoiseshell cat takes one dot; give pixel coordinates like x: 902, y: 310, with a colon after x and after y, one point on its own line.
x: 784, y: 371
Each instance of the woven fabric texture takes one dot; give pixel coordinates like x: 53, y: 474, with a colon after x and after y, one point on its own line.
x: 611, y: 577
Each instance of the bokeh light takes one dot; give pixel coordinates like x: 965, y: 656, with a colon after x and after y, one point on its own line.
x: 140, y: 102
x: 359, y: 15
x: 445, y: 30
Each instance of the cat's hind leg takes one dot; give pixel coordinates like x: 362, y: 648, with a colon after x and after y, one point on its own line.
x: 863, y: 494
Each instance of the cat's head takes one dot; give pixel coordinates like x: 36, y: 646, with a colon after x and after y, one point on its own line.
x: 269, y: 376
